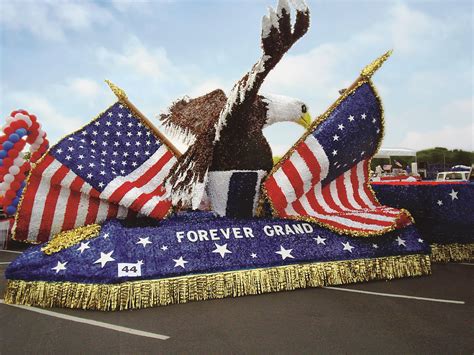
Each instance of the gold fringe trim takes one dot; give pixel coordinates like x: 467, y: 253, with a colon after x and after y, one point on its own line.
x: 445, y: 253
x: 150, y: 293
x: 68, y: 238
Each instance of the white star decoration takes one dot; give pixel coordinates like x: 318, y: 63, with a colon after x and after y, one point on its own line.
x: 454, y: 195
x: 401, y: 241
x: 59, y: 267
x: 347, y: 247
x: 84, y: 246
x: 144, y: 241
x: 375, y: 246
x: 420, y: 240
x: 320, y: 240
x: 351, y: 118
x: 105, y: 236
x: 104, y: 259
x: 440, y: 203
x: 221, y: 249
x: 285, y: 253
x: 180, y: 262
x: 164, y: 248
x: 253, y: 255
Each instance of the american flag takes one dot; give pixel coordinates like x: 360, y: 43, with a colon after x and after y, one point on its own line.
x: 325, y: 177
x: 112, y: 167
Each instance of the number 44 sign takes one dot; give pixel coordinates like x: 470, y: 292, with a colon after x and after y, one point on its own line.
x: 130, y: 270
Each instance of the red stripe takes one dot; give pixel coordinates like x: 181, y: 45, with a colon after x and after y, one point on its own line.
x: 161, y: 209
x: 120, y: 192
x: 326, y: 192
x: 339, y: 225
x: 72, y: 204
x: 313, y: 202
x: 144, y: 198
x: 275, y: 194
x: 298, y: 207
x: 94, y: 203
x: 311, y: 162
x: 355, y: 187
x: 50, y: 204
x: 112, y: 212
x: 26, y: 208
x: 342, y: 192
x: 294, y: 177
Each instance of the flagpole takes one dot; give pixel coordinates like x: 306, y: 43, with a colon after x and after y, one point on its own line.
x: 122, y: 96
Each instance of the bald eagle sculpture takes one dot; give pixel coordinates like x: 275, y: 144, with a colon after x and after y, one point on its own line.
x: 227, y: 131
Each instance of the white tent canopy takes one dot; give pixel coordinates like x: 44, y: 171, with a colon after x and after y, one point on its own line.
x: 397, y: 152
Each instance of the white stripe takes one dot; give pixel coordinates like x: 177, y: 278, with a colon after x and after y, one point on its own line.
x: 102, y: 212
x: 150, y: 205
x: 305, y: 203
x: 318, y: 152
x: 122, y: 212
x: 349, y: 190
x: 318, y: 193
x: 373, y: 215
x: 61, y: 203
x: 335, y: 195
x: 395, y: 295
x: 94, y: 323
x: 154, y: 182
x: 82, y: 210
x: 40, y: 200
x: 285, y: 185
x: 134, y: 175
x: 303, y: 170
x: 361, y: 181
x: 348, y: 222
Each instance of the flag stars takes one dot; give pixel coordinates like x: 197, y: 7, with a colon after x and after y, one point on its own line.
x: 104, y: 258
x: 374, y: 120
x: 80, y: 167
x: 320, y: 240
x: 440, y: 203
x: 59, y: 267
x: 108, y: 123
x: 70, y: 149
x: 120, y: 114
x: 95, y: 133
x: 454, y: 195
x: 101, y: 184
x: 68, y: 157
x: 350, y: 118
x: 334, y: 152
x: 347, y: 246
x: 335, y: 137
x: 91, y: 165
x: 164, y: 247
x: 89, y: 175
x: 401, y: 241
x: 222, y: 250
x: 59, y: 151
x: 144, y: 241
x: 340, y: 127
x: 129, y: 115
x: 129, y: 134
x: 119, y: 123
x: 363, y: 116
x: 180, y: 262
x: 84, y: 246
x: 110, y: 114
x: 285, y: 253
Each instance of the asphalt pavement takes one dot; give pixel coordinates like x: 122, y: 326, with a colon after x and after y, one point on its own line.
x: 423, y: 315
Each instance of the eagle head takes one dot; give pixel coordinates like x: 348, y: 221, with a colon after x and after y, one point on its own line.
x: 285, y: 109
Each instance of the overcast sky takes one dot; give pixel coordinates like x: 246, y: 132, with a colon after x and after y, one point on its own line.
x: 56, y: 54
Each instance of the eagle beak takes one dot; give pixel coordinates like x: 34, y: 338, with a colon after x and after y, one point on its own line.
x: 305, y: 120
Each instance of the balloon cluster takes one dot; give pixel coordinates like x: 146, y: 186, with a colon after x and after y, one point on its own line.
x: 21, y: 128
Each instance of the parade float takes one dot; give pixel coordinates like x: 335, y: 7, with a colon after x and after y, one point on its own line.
x: 123, y: 220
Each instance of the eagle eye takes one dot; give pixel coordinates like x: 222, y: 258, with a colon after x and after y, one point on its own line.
x: 304, y: 109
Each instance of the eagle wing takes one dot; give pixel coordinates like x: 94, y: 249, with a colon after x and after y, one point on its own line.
x: 189, y: 175
x: 191, y: 118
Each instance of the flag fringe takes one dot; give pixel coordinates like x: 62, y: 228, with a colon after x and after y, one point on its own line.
x: 150, y: 293
x: 445, y: 253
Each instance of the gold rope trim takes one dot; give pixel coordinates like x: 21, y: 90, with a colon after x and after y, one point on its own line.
x: 68, y: 238
x: 445, y: 253
x: 150, y: 293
